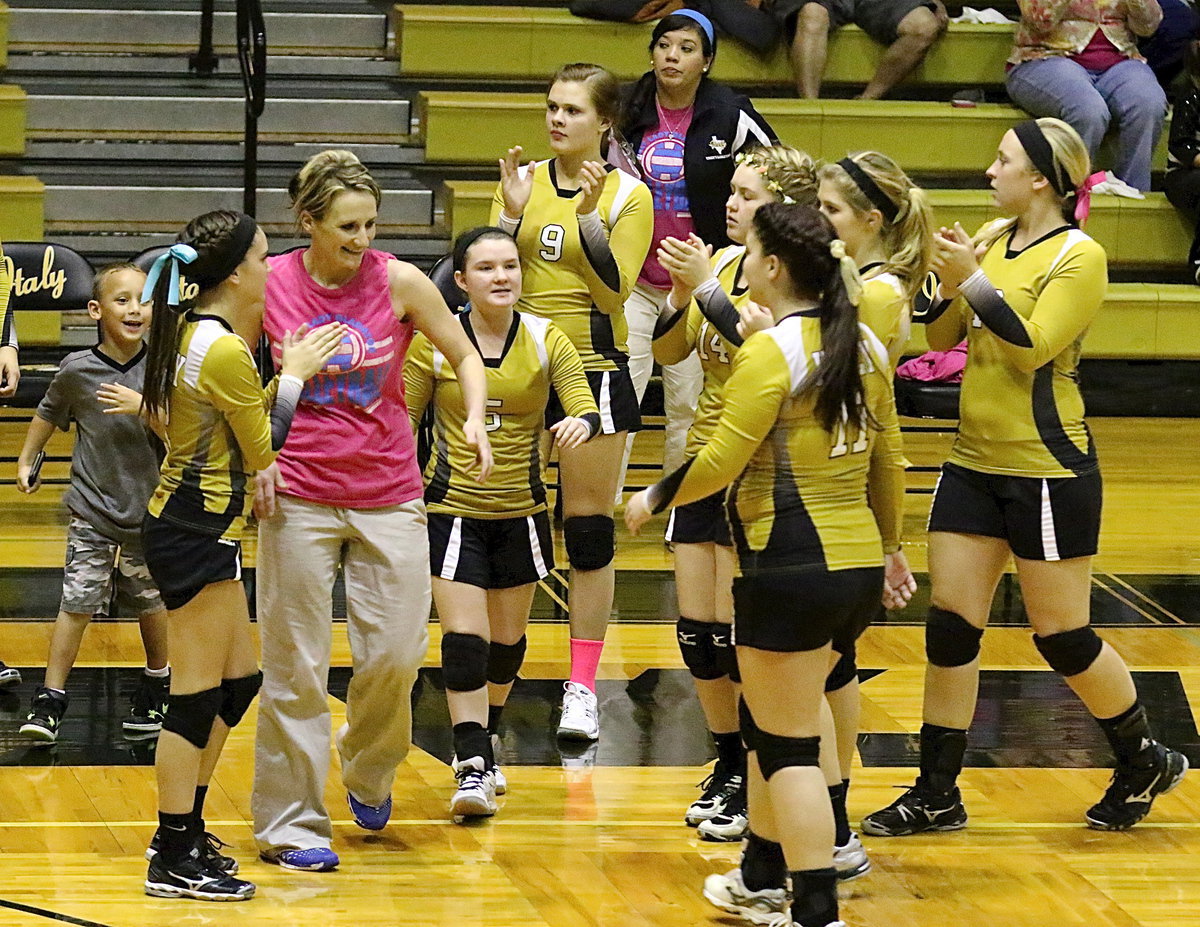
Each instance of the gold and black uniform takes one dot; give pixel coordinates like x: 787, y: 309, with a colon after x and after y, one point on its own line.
x: 536, y: 356
x: 579, y: 270
x: 884, y: 308
x: 221, y: 427
x: 1022, y: 431
x: 798, y: 503
x: 703, y: 521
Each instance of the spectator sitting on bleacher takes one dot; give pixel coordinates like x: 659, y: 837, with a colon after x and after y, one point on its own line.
x: 10, y: 373
x: 1077, y: 60
x: 1166, y: 49
x: 1182, y: 183
x: 908, y: 27
x: 745, y: 20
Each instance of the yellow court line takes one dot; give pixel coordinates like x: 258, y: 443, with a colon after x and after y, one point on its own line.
x: 1141, y: 611
x: 1145, y: 598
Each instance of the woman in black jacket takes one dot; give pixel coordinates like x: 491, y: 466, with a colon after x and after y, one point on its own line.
x: 683, y: 131
x: 1182, y: 183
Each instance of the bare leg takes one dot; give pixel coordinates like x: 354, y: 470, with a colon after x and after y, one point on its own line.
x: 1057, y: 598
x: 153, y: 626
x: 462, y: 609
x: 916, y: 33
x: 798, y: 795
x: 809, y: 49
x: 847, y: 709
x: 508, y: 616
x: 210, y: 634
x: 964, y: 570
x: 64, y: 647
x: 704, y: 587
x: 588, y: 476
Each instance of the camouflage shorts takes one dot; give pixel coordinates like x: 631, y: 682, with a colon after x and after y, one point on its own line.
x: 88, y: 575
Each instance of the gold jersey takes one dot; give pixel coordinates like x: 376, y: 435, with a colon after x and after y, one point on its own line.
x: 1025, y: 317
x: 884, y: 308
x: 577, y: 275
x: 799, y: 495
x: 692, y: 331
x: 218, y: 432
x: 537, y: 355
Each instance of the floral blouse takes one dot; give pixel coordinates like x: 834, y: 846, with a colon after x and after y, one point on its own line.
x: 1064, y: 27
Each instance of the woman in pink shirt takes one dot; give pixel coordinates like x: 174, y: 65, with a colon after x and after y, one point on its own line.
x: 346, y: 494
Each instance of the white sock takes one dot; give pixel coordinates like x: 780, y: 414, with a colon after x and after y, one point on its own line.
x: 158, y: 673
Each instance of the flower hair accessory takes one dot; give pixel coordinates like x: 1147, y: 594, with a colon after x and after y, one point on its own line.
x: 749, y: 160
x: 848, y: 269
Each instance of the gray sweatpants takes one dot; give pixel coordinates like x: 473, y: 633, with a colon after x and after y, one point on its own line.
x: 384, y: 554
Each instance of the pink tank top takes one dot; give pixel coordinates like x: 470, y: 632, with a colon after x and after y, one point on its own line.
x: 351, y: 444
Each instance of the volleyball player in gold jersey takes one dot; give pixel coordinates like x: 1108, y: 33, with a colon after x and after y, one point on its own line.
x: 709, y: 293
x: 583, y: 229
x: 1022, y: 480
x: 808, y: 422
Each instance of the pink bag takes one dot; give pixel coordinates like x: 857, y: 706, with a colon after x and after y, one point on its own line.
x: 936, y: 366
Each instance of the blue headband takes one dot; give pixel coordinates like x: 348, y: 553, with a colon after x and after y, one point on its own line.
x: 175, y: 255
x: 704, y: 21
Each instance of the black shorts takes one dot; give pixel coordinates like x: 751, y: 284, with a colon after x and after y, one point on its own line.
x: 491, y: 553
x: 794, y: 609
x: 880, y: 19
x: 1041, y: 519
x: 614, y: 394
x: 700, y: 522
x: 183, y: 562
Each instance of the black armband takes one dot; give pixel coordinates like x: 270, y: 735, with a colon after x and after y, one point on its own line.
x: 287, y: 396
x: 994, y: 310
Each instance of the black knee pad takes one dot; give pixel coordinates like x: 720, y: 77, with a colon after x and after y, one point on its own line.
x: 724, y: 650
x: 464, y: 662
x: 746, y: 724
x: 236, y: 696
x: 776, y: 753
x: 949, y: 639
x: 844, y: 672
x: 591, y: 541
x: 192, y: 716
x: 1069, y: 653
x: 696, y: 644
x: 504, y: 661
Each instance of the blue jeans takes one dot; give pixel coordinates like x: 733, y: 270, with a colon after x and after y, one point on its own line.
x: 1090, y: 100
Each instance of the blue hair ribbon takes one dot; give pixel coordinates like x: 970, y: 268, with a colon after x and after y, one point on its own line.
x: 704, y: 21
x: 175, y: 255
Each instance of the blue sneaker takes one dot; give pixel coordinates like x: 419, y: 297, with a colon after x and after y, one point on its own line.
x: 370, y: 817
x: 313, y: 859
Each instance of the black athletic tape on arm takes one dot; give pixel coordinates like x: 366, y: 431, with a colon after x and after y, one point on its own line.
x: 716, y: 306
x: 283, y: 409
x: 776, y: 753
x: 950, y: 640
x: 1070, y: 653
x: 504, y: 661
x: 593, y: 422
x: 236, y: 696
x: 662, y: 492
x: 994, y: 310
x: 191, y: 716
x: 598, y: 251
x: 464, y: 662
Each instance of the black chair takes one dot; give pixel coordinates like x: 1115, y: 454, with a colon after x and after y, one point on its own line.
x: 46, y: 277
x: 442, y: 275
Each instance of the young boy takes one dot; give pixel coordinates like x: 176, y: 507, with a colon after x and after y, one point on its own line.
x: 113, y: 472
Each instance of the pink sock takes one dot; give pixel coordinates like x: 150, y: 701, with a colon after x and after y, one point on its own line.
x: 585, y: 657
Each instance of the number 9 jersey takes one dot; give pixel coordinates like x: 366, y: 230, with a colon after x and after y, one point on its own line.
x: 579, y: 273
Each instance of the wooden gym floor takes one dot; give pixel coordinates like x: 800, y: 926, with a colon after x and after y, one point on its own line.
x: 596, y: 837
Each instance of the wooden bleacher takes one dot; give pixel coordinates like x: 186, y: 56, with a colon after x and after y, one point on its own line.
x: 536, y: 40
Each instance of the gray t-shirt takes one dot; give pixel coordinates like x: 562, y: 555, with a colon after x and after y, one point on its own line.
x: 113, y: 468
